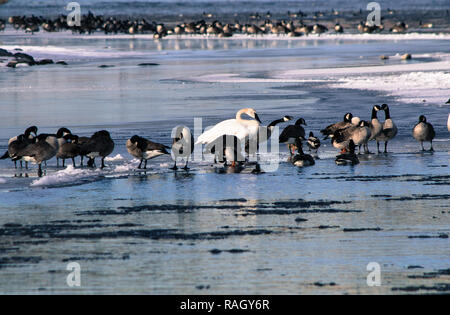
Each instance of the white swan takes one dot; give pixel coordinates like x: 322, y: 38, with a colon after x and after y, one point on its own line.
x: 241, y: 128
x: 448, y: 122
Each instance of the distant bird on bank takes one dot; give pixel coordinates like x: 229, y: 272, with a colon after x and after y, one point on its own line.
x: 313, y: 142
x: 291, y: 133
x: 301, y: 159
x: 389, y: 130
x: 144, y: 149
x: 448, y: 102
x: 424, y: 131
x: 99, y: 145
x: 182, y: 145
x: 348, y: 158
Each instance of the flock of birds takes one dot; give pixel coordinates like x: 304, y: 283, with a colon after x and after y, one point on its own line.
x: 225, y: 140
x: 293, y: 26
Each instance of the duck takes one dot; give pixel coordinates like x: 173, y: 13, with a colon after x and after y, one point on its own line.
x: 241, y: 128
x: 424, y: 131
x: 313, y: 142
x: 38, y: 152
x: 182, y: 145
x: 301, y: 159
x: 69, y: 149
x: 144, y: 149
x: 264, y: 134
x: 226, y: 148
x: 293, y: 132
x: 389, y: 130
x: 99, y: 144
x: 348, y: 158
x: 359, y: 135
x: 375, y: 126
x: 18, y: 143
x: 329, y: 130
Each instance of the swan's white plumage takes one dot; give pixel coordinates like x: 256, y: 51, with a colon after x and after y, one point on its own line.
x: 238, y: 127
x: 448, y: 122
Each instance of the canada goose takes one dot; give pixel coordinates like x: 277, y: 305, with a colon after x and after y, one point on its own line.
x: 389, y: 130
x: 69, y: 149
x: 182, y: 145
x: 293, y: 132
x: 99, y: 145
x: 226, y: 148
x: 40, y: 151
x: 348, y: 158
x: 301, y: 159
x: 18, y: 143
x: 144, y: 149
x: 313, y: 142
x: 338, y: 28
x: 81, y: 142
x: 264, y: 134
x: 241, y: 128
x: 424, y: 131
x: 375, y: 126
x: 329, y: 131
x: 359, y: 135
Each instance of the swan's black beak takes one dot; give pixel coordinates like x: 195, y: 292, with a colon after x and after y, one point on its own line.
x: 257, y: 118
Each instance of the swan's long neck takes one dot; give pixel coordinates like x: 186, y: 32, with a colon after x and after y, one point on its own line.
x: 239, y: 115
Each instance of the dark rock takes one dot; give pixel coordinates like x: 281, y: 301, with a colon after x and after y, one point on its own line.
x: 24, y: 58
x: 5, y: 53
x: 146, y: 64
x: 63, y: 63
x: 45, y: 62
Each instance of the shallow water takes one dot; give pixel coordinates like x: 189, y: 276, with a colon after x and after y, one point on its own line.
x: 203, y: 231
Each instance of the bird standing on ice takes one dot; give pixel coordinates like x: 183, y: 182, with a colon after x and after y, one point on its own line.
x: 241, y: 128
x: 182, y: 145
x: 424, y: 131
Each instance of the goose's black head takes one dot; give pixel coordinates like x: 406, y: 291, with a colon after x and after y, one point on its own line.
x: 300, y: 121
x: 287, y: 118
x: 422, y: 118
x: 384, y: 106
x: 377, y: 107
x: 42, y: 137
x: 311, y: 134
x: 62, y: 132
x: 102, y: 133
x: 32, y: 129
x: 364, y: 123
x: 348, y: 117
x: 135, y: 139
